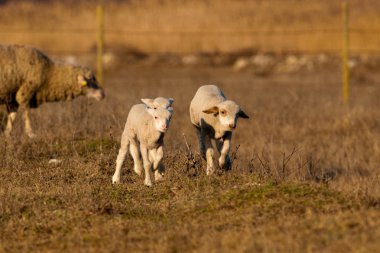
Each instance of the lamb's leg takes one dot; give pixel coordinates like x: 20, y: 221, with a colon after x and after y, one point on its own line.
x: 157, y: 166
x: 137, y: 163
x: 152, y: 158
x: 224, y: 149
x: 147, y: 165
x: 209, y: 154
x: 202, y: 149
x: 152, y: 155
x: 10, y: 120
x: 120, y: 159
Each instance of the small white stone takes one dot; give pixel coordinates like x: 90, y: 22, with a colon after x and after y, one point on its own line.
x: 54, y: 161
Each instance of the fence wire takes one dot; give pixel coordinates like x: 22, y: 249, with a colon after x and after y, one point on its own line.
x: 122, y: 32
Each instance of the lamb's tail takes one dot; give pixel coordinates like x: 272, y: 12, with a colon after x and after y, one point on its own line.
x: 120, y: 159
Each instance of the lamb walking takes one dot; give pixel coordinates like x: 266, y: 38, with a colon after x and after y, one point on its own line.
x: 214, y: 118
x: 144, y: 135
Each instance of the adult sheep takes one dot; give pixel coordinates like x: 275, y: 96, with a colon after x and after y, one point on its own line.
x: 214, y: 118
x: 29, y: 78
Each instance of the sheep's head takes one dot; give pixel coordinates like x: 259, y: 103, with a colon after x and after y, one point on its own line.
x: 159, y: 102
x: 90, y: 86
x: 227, y: 112
x: 161, y: 118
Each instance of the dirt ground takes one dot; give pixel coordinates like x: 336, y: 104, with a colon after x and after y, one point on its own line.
x: 305, y: 176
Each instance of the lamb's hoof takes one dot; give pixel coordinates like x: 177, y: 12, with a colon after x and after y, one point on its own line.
x: 148, y: 183
x: 138, y: 171
x: 228, y: 165
x: 158, y: 176
x: 7, y: 136
x: 209, y: 171
x: 115, y: 180
x: 31, y: 135
x: 225, y: 166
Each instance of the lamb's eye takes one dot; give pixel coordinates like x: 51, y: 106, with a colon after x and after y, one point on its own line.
x: 155, y: 117
x: 154, y: 108
x: 223, y: 112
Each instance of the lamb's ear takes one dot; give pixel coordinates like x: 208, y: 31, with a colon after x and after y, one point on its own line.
x: 82, y: 81
x: 214, y: 110
x: 148, y: 102
x: 171, y: 101
x: 242, y: 114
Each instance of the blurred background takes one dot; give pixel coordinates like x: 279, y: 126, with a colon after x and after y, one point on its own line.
x: 189, y: 32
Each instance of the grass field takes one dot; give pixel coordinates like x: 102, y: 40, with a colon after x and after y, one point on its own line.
x: 305, y: 176
x: 306, y: 168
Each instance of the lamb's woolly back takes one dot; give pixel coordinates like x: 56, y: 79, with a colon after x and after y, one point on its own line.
x: 138, y: 118
x: 205, y: 97
x: 140, y: 123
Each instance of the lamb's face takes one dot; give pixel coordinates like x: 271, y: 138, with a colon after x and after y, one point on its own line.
x: 159, y: 102
x: 161, y: 118
x: 227, y: 112
x: 90, y: 86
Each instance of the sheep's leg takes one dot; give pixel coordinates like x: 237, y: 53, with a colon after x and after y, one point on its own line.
x: 23, y: 97
x: 200, y: 136
x: 147, y: 165
x: 12, y: 108
x: 224, y: 149
x: 157, y: 166
x: 10, y: 120
x: 137, y: 163
x: 209, y: 155
x: 120, y: 159
x: 28, y: 126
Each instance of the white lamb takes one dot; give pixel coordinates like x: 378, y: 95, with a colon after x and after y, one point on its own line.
x: 214, y: 117
x: 144, y: 133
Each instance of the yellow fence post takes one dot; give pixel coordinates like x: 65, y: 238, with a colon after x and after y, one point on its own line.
x: 99, y: 41
x: 345, y: 48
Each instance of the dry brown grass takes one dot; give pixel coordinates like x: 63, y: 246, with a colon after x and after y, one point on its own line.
x: 192, y: 26
x: 325, y: 198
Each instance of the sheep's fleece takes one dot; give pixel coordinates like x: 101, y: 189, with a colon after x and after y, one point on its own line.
x: 29, y: 78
